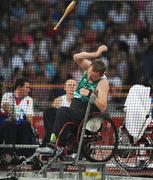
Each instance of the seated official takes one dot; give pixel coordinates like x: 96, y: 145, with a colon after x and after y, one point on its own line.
x: 50, y: 113
x: 16, y: 115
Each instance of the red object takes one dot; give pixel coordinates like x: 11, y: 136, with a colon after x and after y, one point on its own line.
x: 17, y: 100
x: 39, y: 125
x: 27, y: 39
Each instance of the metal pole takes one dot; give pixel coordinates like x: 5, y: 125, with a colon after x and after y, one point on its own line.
x: 58, y: 153
x: 103, y: 170
x: 82, y: 133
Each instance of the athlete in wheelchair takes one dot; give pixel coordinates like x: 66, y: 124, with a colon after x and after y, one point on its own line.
x: 100, y: 131
x: 69, y: 119
x: 137, y: 129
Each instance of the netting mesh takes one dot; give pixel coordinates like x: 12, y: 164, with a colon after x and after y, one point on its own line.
x: 30, y: 48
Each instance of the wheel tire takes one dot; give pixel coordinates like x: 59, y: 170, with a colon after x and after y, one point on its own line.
x: 91, y: 141
x: 67, y: 137
x: 132, y: 161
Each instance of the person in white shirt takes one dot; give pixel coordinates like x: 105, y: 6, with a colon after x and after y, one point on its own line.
x: 50, y: 113
x: 18, y: 108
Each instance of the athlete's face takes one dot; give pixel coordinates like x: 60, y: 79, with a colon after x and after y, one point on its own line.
x: 93, y: 76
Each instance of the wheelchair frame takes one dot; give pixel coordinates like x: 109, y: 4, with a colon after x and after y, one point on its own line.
x: 136, y: 155
x: 82, y: 144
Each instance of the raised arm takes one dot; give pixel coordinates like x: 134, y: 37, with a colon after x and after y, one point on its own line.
x: 83, y: 58
x: 102, y: 98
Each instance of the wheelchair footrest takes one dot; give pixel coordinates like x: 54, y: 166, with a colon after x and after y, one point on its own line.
x: 45, y: 150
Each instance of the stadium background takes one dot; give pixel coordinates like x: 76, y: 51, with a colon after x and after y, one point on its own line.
x: 29, y: 47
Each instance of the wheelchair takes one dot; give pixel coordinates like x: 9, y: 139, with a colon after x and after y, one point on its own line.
x: 136, y: 133
x: 135, y: 159
x: 100, y: 139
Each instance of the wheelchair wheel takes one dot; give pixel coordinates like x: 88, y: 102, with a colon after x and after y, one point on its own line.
x: 67, y: 138
x: 101, y: 145
x: 136, y: 159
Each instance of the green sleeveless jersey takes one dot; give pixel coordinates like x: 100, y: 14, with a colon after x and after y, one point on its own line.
x: 84, y: 84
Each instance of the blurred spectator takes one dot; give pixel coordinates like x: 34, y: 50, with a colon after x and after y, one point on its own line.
x: 63, y: 73
x: 84, y: 41
x: 23, y: 37
x: 122, y: 67
x: 70, y: 38
x: 118, y: 46
x: 129, y: 37
x: 33, y: 16
x: 97, y: 23
x: 138, y: 19
x: 3, y: 7
x: 18, y: 10
x: 118, y: 14
x: 58, y: 10
x: 119, y: 60
x: 50, y: 23
x: 4, y: 21
x: 115, y: 81
x: 4, y: 43
x: 143, y: 45
x: 76, y: 73
x: 17, y: 74
x: 17, y: 58
x: 87, y: 35
x: 44, y: 72
x: 114, y: 59
x: 29, y: 54
x: 41, y: 44
x: 140, y: 5
x: 109, y: 35
x: 82, y: 8
x: 147, y: 62
x: 6, y: 69
x: 149, y: 14
x: 49, y: 2
x: 1, y: 87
